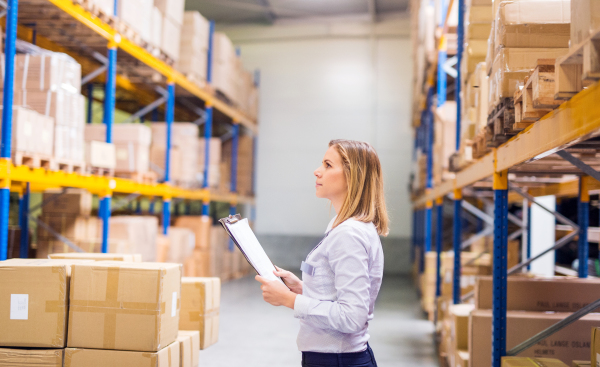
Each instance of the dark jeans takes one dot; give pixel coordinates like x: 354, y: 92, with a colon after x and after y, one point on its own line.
x: 359, y: 359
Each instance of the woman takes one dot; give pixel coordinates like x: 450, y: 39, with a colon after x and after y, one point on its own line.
x: 341, y: 277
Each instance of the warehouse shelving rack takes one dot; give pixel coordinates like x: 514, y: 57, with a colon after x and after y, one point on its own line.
x: 66, y: 26
x: 574, y: 123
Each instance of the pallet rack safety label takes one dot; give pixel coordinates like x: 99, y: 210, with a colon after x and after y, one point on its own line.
x: 174, y: 305
x: 19, y: 306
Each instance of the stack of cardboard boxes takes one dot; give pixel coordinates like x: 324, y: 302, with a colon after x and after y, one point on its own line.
x: 50, y: 84
x: 117, y: 312
x: 245, y: 166
x: 172, y: 21
x: 184, y: 151
x: 194, y: 47
x: 444, y: 144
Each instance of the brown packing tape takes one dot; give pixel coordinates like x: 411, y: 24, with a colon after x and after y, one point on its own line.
x: 195, y: 316
x: 169, y: 353
x: 69, y: 356
x: 132, y: 306
x: 110, y: 319
x: 54, y: 306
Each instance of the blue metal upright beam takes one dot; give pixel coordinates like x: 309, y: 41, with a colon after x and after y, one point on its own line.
x: 166, y: 212
x: 456, y: 244
x: 421, y: 242
x: 24, y: 222
x: 528, y: 236
x: 583, y: 217
x: 169, y: 117
x: 207, y: 138
x: 90, y: 102
x: 5, y: 150
x: 438, y: 245
x: 209, y: 53
x: 500, y: 186
x: 442, y: 82
x: 110, y: 91
x: 458, y: 82
x: 151, y: 208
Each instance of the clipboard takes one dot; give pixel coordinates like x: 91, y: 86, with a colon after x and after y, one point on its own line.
x: 241, y: 234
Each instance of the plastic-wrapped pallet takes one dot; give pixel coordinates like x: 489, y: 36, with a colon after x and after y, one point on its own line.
x: 194, y: 46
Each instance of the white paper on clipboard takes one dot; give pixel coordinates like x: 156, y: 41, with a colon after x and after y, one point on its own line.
x: 242, y: 235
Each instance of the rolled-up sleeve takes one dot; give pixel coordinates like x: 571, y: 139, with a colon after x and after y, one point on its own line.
x: 349, y: 260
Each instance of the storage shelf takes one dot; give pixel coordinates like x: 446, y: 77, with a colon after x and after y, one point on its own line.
x: 138, y: 63
x: 574, y: 121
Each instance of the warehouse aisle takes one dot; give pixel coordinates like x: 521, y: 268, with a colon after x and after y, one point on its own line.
x: 255, y: 334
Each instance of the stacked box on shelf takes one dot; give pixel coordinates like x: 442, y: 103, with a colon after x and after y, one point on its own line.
x: 156, y: 29
x: 194, y: 47
x: 200, y: 304
x: 189, y: 341
x: 199, y: 263
x: 181, y: 243
x: 137, y: 14
x: 458, y: 336
x: 132, y: 146
x: 184, y: 137
x: 172, y: 21
x: 50, y: 84
x: 32, y: 137
x: 224, y: 65
x: 523, y: 32
x: 444, y: 144
x: 68, y: 214
x: 214, y: 164
x: 534, y: 304
x: 132, y: 234
x: 245, y: 166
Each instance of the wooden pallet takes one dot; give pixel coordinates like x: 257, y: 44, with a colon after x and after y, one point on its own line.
x: 148, y: 177
x: 480, y: 147
x: 33, y: 160
x: 500, y: 123
x: 69, y: 166
x: 99, y: 171
x: 462, y: 158
x: 579, y: 68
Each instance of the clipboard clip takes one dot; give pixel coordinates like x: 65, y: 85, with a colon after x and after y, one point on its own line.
x: 231, y: 219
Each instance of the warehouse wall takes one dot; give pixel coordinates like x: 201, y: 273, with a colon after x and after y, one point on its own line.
x: 317, y: 86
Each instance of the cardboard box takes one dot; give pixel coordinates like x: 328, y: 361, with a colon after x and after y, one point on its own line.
x: 158, y: 155
x: 184, y: 137
x: 459, y: 327
x: 132, y: 157
x: 510, y: 68
x: 581, y: 364
x: 66, y: 108
x: 124, y: 306
x: 72, y: 201
x: 533, y: 24
x: 181, y: 244
x: 531, y: 362
x: 171, y: 33
x: 200, y: 225
x: 558, y: 294
x: 194, y: 45
x: 595, y: 344
x: 79, y: 357
x: 31, y: 357
x: 156, y: 28
x: 172, y: 9
x: 137, y: 235
x: 32, y: 132
x: 34, y: 310
x: 138, y: 15
x: 72, y: 227
x: 475, y: 52
x: 185, y: 350
x: 194, y: 337
x: 100, y: 154
x: 122, y: 133
x: 47, y: 71
x: 200, y: 302
x: 214, y: 156
x: 461, y: 358
x: 568, y: 344
x: 585, y: 18
x: 98, y: 257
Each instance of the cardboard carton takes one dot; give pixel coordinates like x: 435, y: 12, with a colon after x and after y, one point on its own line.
x: 137, y: 235
x: 72, y: 201
x: 170, y: 40
x: 100, y: 154
x: 79, y: 357
x: 194, y: 45
x: 461, y: 358
x: 162, y: 248
x: 185, y: 350
x: 47, y: 71
x: 31, y: 357
x: 581, y: 364
x: 533, y: 24
x: 158, y: 156
x: 181, y: 244
x: 156, y: 29
x: 35, y: 299
x: 558, y: 294
x: 66, y: 108
x: 595, y: 346
x: 585, y: 18
x: 195, y: 342
x: 174, y: 9
x: 568, y: 344
x: 98, y: 257
x: 200, y: 301
x: 531, y: 362
x: 32, y: 132
x: 459, y: 327
x: 200, y: 225
x: 122, y: 133
x: 124, y: 306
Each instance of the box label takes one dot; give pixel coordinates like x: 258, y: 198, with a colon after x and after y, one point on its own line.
x: 174, y: 305
x: 19, y: 306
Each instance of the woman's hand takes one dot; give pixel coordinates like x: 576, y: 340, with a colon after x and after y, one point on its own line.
x: 276, y: 293
x: 290, y: 279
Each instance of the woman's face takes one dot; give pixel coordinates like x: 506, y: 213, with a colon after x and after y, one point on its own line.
x: 331, y: 181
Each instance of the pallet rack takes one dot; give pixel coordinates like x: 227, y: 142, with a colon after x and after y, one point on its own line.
x: 573, y: 125
x: 66, y: 26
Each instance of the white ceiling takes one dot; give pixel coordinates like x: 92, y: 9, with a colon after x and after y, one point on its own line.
x: 270, y: 11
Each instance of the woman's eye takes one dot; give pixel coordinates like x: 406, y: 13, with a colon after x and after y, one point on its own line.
x: 328, y: 165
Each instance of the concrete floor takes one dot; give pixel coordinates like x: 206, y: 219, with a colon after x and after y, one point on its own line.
x: 256, y: 334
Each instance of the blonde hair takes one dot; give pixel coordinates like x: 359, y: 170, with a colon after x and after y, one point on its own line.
x: 364, y: 200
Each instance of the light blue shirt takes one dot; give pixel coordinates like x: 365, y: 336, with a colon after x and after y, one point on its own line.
x: 338, y: 299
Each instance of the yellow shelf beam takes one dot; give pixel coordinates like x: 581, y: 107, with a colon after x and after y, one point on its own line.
x: 575, y: 120
x: 111, y: 35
